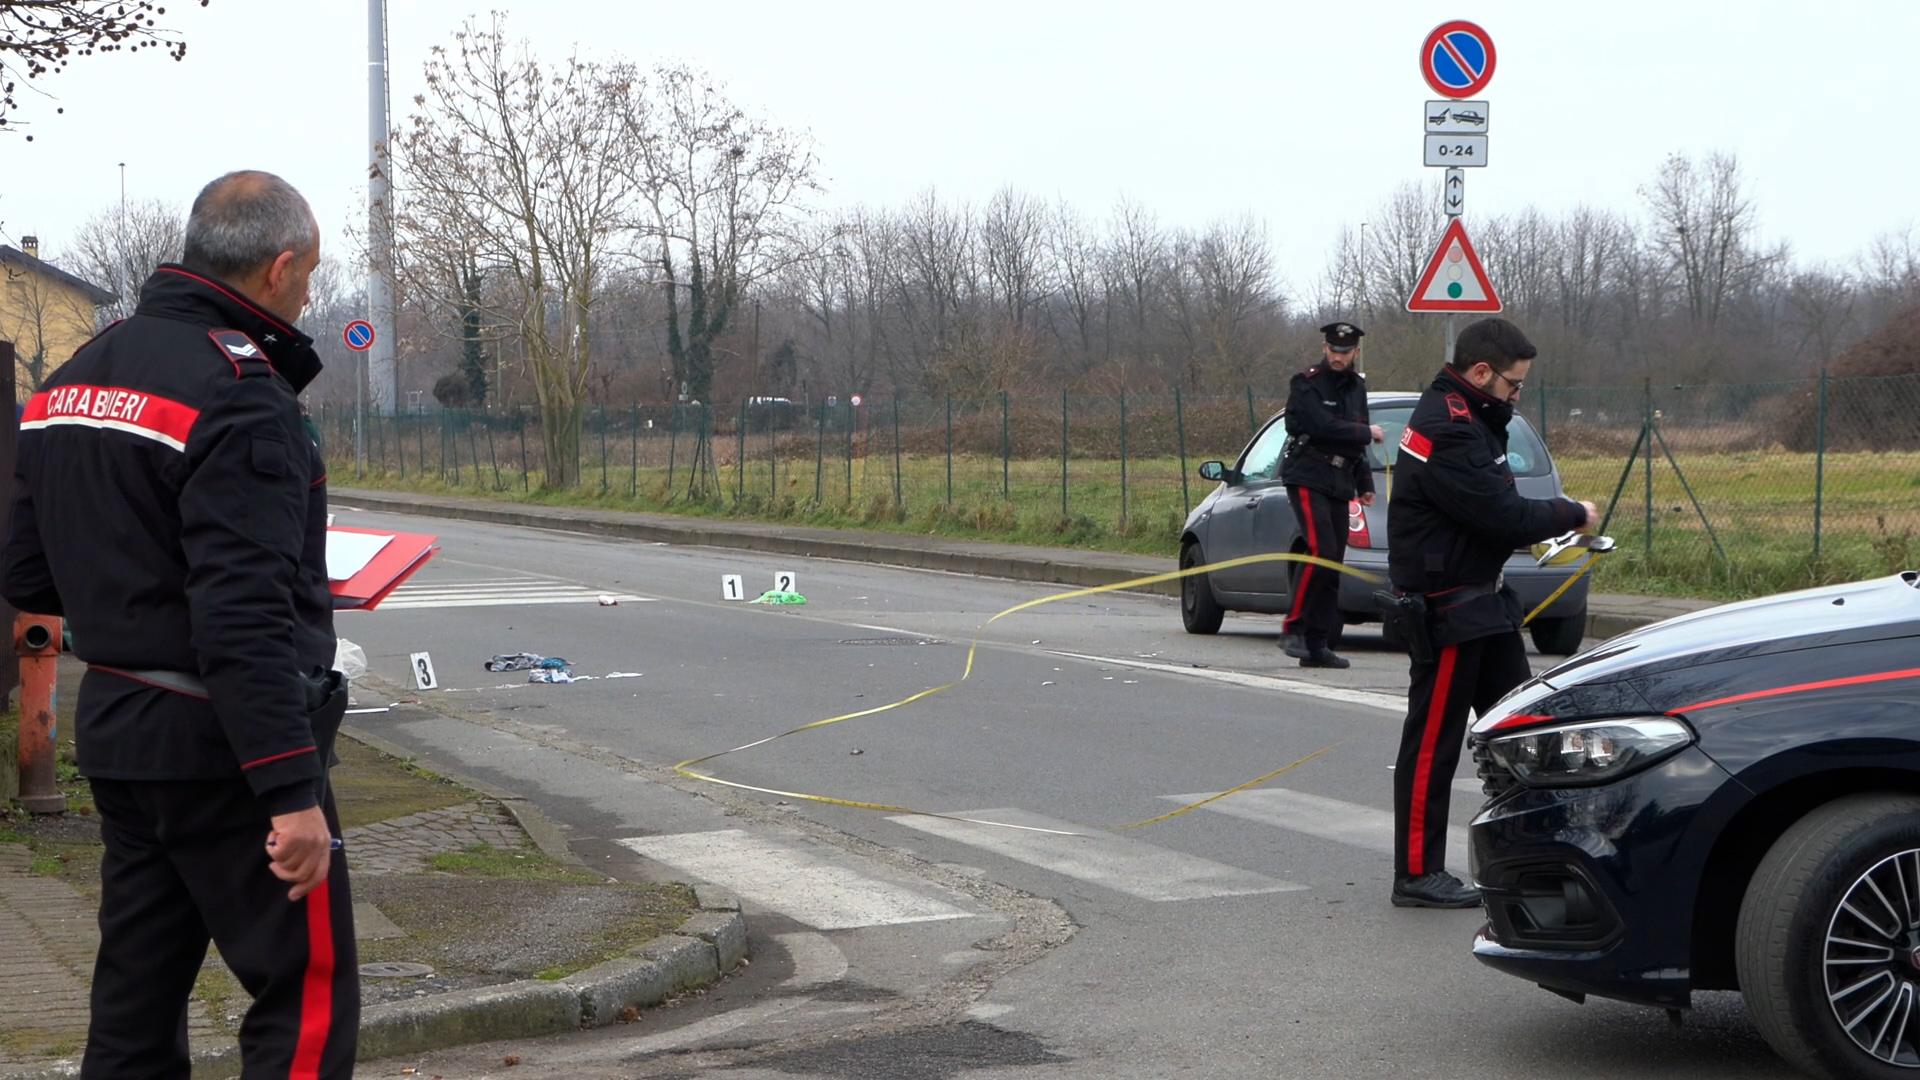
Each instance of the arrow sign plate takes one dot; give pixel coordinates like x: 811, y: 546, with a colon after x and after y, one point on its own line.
x: 1454, y: 194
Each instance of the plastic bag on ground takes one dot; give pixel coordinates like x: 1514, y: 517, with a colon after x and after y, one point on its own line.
x: 514, y: 662
x: 349, y: 660
x: 775, y: 596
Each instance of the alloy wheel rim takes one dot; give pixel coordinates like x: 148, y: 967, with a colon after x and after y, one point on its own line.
x: 1871, y: 961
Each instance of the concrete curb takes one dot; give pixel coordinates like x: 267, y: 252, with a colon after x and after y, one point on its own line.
x: 709, y: 944
x: 1064, y: 566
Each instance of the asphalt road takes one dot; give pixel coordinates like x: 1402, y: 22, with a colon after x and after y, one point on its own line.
x: 1248, y: 938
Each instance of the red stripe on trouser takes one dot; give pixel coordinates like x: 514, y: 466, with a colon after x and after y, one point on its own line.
x: 1423, y: 767
x: 316, y: 991
x: 1313, y: 549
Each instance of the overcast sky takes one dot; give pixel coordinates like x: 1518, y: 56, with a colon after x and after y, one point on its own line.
x: 1303, y: 114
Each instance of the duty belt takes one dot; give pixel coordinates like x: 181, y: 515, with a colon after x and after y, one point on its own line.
x: 178, y: 682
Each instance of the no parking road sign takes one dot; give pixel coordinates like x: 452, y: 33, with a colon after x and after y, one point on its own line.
x: 1457, y: 59
x: 358, y: 335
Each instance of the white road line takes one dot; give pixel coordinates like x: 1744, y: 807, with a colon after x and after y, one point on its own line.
x: 809, y: 883
x: 402, y: 603
x: 1113, y: 862
x: 1393, y: 703
x: 1329, y: 819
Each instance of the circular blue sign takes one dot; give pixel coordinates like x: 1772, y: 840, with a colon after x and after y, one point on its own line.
x: 359, y: 335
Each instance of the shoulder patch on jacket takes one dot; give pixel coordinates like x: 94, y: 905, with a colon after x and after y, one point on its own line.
x: 240, y: 350
x: 1457, y: 408
x: 1416, y: 444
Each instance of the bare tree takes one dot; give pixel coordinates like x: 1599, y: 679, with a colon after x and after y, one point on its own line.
x: 1137, y: 256
x: 1075, y: 256
x: 512, y: 169
x: 1822, y: 301
x: 1012, y: 243
x: 1704, y: 223
x: 117, y: 250
x: 40, y: 38
x: 723, y: 210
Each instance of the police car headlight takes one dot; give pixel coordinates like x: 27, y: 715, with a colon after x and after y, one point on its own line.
x: 1593, y: 752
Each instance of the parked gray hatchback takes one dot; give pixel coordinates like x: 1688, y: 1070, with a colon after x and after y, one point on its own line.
x: 1249, y: 514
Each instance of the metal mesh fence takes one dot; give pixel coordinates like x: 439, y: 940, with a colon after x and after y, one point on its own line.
x: 1726, y: 489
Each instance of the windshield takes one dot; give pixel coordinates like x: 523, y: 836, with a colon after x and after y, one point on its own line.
x: 1525, y: 454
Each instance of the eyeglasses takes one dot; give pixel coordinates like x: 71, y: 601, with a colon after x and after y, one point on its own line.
x: 1517, y: 384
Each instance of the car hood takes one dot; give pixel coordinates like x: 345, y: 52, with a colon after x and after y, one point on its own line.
x: 1836, y: 615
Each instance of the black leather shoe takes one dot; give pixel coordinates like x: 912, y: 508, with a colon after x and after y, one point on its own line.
x: 1436, y: 890
x: 1295, y: 646
x: 1324, y: 657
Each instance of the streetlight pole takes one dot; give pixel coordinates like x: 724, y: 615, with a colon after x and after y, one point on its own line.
x: 1366, y: 299
x: 381, y: 376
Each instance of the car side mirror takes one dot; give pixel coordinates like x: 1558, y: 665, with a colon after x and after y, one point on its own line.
x: 1216, y: 471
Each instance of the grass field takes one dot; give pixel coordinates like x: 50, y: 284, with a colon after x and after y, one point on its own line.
x: 1759, y: 506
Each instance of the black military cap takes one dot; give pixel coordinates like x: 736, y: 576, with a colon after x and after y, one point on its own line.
x: 1343, y: 336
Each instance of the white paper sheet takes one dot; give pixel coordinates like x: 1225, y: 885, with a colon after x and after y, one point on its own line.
x: 349, y: 553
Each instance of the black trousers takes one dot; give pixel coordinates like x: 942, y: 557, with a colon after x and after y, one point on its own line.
x: 1315, y: 615
x: 186, y: 862
x: 1471, y: 675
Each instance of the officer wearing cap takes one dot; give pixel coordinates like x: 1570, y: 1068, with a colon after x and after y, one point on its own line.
x: 1324, y: 467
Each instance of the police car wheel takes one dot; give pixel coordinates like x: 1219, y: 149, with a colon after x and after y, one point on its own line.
x: 1199, y: 611
x: 1824, y: 945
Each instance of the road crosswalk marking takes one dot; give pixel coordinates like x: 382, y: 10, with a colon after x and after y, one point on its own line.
x: 1125, y: 865
x: 810, y: 883
x: 1329, y: 819
x: 500, y: 592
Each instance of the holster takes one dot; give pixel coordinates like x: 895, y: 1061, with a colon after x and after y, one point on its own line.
x: 1405, y: 614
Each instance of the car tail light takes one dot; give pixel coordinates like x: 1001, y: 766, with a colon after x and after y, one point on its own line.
x: 1357, y: 534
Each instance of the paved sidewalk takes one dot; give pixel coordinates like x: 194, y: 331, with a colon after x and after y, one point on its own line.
x: 48, y: 934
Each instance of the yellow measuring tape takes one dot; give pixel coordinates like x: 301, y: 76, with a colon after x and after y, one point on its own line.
x: 687, y: 768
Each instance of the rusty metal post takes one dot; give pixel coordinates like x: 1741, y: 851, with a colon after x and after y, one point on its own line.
x: 9, y: 435
x: 36, y: 639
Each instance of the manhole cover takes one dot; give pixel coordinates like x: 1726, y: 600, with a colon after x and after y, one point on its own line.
x: 890, y: 641
x: 394, y: 969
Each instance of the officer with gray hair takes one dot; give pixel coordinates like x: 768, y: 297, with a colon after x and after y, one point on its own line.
x: 170, y: 507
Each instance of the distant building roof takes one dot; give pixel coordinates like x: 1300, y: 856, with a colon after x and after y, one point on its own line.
x: 12, y: 256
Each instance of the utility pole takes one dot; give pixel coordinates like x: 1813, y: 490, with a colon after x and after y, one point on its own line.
x: 379, y: 369
x: 126, y: 271
x: 1366, y: 299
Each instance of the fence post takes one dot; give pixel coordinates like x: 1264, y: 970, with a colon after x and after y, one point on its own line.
x: 1253, y: 424
x: 1647, y: 390
x: 851, y: 418
x: 1543, y: 415
x: 493, y: 455
x: 740, y: 455
x: 633, y: 440
x: 600, y: 413
x: 949, y: 449
x: 673, y: 445
x: 773, y: 462
x: 1180, y: 425
x: 1123, y: 460
x: 526, y: 473
x: 1006, y: 450
x: 819, y: 453
x: 473, y: 448
x: 400, y: 445
x: 1063, y: 455
x: 420, y: 437
x: 1820, y: 463
x: 898, y: 502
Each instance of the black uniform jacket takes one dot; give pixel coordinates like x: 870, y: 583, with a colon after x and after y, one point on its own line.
x: 169, y: 505
x: 1454, y: 517
x: 1329, y: 433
